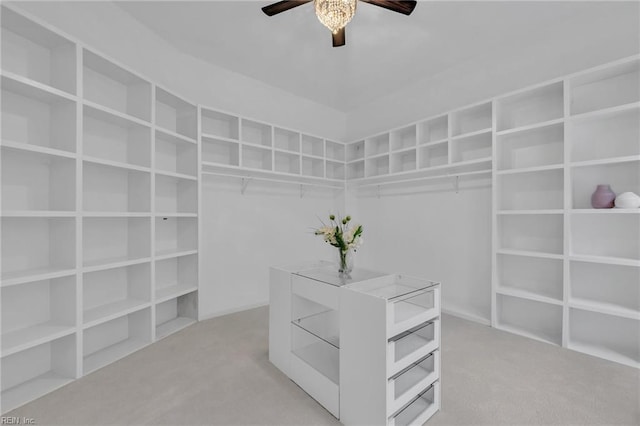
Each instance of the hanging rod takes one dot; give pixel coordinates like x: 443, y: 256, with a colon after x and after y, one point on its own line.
x: 421, y: 179
x: 248, y: 178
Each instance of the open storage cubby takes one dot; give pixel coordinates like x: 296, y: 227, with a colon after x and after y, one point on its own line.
x: 115, y: 291
x: 434, y: 155
x: 471, y: 119
x: 317, y: 353
x: 531, y: 233
x: 176, y: 115
x: 538, y: 320
x: 219, y: 151
x: 36, y: 312
x: 433, y: 130
x: 175, y: 314
x: 115, y: 189
x: 355, y: 151
x: 335, y: 170
x: 317, y: 319
x: 355, y: 170
x: 176, y: 195
x: 403, y: 161
x: 469, y: 148
x: 335, y: 151
x: 34, y: 246
x: 176, y: 276
x: 107, y: 240
x: 534, y: 106
x: 403, y: 138
x: 605, y: 336
x: 34, y: 181
x: 607, y: 136
x: 312, y: 166
x: 606, y: 87
x: 285, y: 162
x: 376, y: 145
x: 311, y: 145
x: 34, y: 372
x: 37, y: 117
x: 604, y: 236
x: 377, y: 166
x: 622, y: 177
x: 218, y: 124
x: 115, y: 138
x: 286, y: 140
x: 115, y: 339
x: 534, y: 190
x: 175, y: 155
x: 530, y: 276
x: 176, y: 235
x: 256, y: 133
x: 255, y: 157
x: 111, y: 86
x: 603, y: 286
x: 35, y: 52
x: 537, y: 147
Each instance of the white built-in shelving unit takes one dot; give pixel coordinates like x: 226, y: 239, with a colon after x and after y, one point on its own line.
x: 458, y: 143
x: 249, y: 149
x: 564, y: 272
x: 99, y: 210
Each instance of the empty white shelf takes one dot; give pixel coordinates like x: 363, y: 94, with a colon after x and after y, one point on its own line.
x: 19, y: 340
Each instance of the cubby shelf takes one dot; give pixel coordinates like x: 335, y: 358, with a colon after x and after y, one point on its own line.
x: 572, y: 134
x: 94, y: 159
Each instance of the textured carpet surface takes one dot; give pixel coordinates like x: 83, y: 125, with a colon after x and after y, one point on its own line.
x: 217, y: 372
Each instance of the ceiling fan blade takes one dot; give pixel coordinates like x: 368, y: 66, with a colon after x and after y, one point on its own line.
x: 401, y: 6
x: 339, y: 38
x: 283, y: 6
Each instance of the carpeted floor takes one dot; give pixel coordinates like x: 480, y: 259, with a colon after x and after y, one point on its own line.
x: 217, y: 372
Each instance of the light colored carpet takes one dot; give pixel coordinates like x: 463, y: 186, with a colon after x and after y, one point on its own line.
x: 217, y: 372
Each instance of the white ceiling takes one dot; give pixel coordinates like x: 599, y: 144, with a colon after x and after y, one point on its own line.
x: 384, y: 51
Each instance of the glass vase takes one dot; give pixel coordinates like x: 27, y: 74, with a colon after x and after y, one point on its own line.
x: 345, y: 262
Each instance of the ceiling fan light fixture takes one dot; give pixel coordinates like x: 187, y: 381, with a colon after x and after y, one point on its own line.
x: 335, y: 14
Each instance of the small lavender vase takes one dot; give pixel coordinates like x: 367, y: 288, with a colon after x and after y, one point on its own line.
x: 603, y: 197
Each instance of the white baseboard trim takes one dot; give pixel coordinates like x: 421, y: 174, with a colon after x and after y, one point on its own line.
x: 467, y: 316
x: 234, y: 310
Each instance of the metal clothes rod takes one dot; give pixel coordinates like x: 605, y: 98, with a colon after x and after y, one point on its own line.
x: 268, y: 179
x: 457, y: 175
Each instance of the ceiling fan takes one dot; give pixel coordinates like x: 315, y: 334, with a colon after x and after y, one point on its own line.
x: 336, y: 14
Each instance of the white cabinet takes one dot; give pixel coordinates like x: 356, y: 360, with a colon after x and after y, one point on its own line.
x: 99, y: 221
x: 366, y: 347
x: 564, y: 272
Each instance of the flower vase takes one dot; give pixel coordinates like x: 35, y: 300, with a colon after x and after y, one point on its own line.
x: 603, y: 197
x: 345, y: 262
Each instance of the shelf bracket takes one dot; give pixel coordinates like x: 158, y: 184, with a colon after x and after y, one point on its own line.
x: 245, y: 183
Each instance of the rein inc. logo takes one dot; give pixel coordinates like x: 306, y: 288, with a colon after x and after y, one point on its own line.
x: 14, y: 420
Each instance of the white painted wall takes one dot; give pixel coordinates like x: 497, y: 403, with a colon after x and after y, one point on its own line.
x: 242, y: 235
x: 433, y: 232
x: 105, y: 27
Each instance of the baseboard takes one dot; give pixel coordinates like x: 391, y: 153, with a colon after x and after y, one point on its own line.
x: 234, y: 310
x: 467, y: 316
